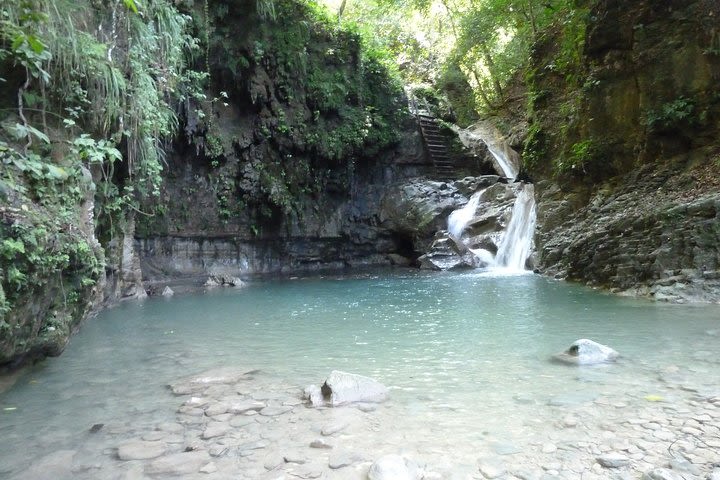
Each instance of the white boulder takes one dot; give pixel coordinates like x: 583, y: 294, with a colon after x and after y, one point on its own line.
x: 342, y: 388
x: 587, y: 352
x: 394, y: 467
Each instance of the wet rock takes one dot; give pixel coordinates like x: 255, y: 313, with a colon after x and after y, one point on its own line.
x: 393, y: 467
x: 199, y: 382
x: 294, y: 457
x: 244, y: 407
x: 167, y: 292
x: 587, y: 352
x: 217, y: 409
x: 661, y: 474
x: 306, y: 471
x: 344, y: 459
x: 320, y: 443
x: 491, y: 468
x: 613, y: 460
x: 275, y: 410
x: 50, y: 467
x: 224, y: 280
x: 215, y: 429
x: 549, y: 448
x: 342, y: 388
x: 141, y: 450
x: 258, y: 445
x: 240, y: 422
x: 445, y: 253
x: 218, y: 450
x: 504, y: 448
x: 333, y: 428
x: 178, y: 464
x: 154, y: 436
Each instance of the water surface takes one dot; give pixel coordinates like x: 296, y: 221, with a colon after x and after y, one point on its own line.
x: 466, y: 357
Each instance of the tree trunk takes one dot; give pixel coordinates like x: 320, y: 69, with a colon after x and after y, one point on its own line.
x: 341, y: 10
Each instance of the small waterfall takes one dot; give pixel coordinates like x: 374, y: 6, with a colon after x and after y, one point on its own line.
x: 459, y: 219
x: 516, y: 242
x: 507, y: 160
x: 515, y: 246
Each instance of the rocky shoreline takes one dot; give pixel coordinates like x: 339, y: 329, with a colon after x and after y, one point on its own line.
x: 245, y: 424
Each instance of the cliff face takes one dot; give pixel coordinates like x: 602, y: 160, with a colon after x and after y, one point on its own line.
x: 50, y: 261
x: 283, y: 163
x: 633, y: 204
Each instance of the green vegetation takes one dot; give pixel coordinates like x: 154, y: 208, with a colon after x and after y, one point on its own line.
x: 87, y: 91
x: 670, y: 115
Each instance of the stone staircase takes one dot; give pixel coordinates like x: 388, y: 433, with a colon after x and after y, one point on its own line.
x: 436, y: 146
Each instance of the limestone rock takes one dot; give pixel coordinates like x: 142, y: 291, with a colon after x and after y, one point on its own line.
x: 314, y: 395
x: 167, y: 292
x: 178, y: 464
x: 342, y: 388
x: 613, y: 460
x: 224, y: 280
x: 587, y: 352
x: 50, y: 467
x: 661, y: 474
x: 140, y: 450
x: 393, y: 467
x: 491, y: 468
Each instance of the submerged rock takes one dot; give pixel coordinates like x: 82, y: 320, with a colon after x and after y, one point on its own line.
x: 587, y: 352
x: 178, y: 464
x: 393, y: 467
x: 140, y: 450
x: 223, y: 280
x: 342, y: 388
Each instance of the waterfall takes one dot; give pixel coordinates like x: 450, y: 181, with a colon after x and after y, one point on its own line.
x: 460, y: 218
x: 515, y: 246
x: 507, y: 160
x: 516, y: 242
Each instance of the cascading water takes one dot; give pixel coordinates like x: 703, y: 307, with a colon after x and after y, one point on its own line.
x: 515, y: 246
x: 516, y: 242
x: 460, y: 218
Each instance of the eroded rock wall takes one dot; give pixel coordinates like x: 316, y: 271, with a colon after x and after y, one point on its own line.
x: 283, y: 167
x: 631, y: 203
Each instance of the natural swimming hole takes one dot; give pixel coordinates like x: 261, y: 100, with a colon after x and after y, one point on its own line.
x: 466, y: 357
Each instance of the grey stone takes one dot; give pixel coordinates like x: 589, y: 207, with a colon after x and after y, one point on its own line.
x: 344, y: 459
x: 393, y: 467
x: 504, y: 448
x: 341, y: 388
x: 140, y: 450
x: 314, y: 395
x: 320, y: 443
x: 178, y: 464
x: 333, y: 428
x: 587, y: 352
x: 613, y: 460
x: 215, y: 429
x: 661, y: 474
x: 244, y: 407
x: 549, y: 448
x: 491, y: 468
x: 217, y: 409
x: 52, y: 466
x: 274, y: 411
x: 167, y: 292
